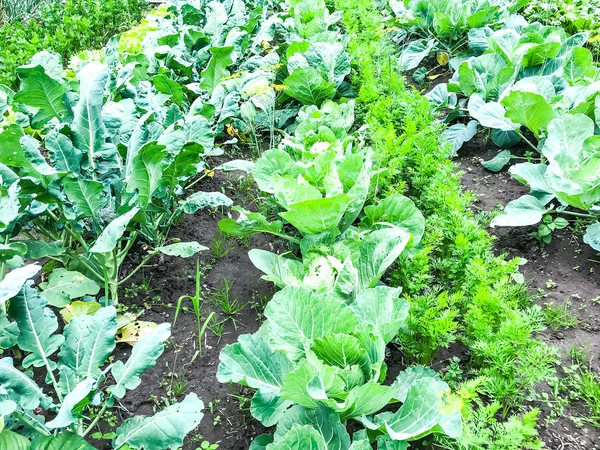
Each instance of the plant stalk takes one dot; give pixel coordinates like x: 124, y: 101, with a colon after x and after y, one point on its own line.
x: 142, y: 264
x: 36, y: 426
x: 95, y: 421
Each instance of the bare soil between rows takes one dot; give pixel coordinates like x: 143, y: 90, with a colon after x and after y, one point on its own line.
x: 563, y: 271
x: 227, y: 421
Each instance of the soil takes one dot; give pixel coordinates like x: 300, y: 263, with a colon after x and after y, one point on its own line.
x: 436, y: 74
x: 227, y: 421
x: 563, y: 271
x: 566, y: 270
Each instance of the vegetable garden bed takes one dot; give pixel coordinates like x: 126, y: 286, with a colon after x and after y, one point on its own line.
x: 253, y: 236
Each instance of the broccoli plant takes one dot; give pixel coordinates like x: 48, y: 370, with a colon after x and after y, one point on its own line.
x: 62, y: 407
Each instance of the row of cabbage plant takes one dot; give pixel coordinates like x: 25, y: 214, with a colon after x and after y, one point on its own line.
x: 103, y: 156
x: 318, y: 360
x: 527, y: 83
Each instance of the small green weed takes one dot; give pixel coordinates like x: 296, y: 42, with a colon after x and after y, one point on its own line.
x: 222, y: 299
x: 222, y: 245
x: 196, y: 300
x: 217, y: 327
x: 559, y: 317
x: 584, y: 384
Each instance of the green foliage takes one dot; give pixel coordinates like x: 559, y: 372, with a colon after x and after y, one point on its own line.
x: 432, y: 325
x: 319, y: 359
x: 65, y: 28
x: 77, y: 379
x: 459, y: 290
x: 12, y: 10
x: 570, y: 177
x: 443, y: 26
x: 559, y: 317
x: 322, y: 361
x: 512, y: 76
x: 582, y: 382
x: 573, y: 15
x: 482, y: 428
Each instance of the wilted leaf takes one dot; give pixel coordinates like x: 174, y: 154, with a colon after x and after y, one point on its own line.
x: 134, y: 331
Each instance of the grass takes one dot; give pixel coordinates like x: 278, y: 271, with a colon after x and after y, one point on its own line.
x: 222, y: 299
x: 197, y: 301
x: 583, y: 383
x: 217, y: 327
x: 559, y: 317
x: 222, y: 245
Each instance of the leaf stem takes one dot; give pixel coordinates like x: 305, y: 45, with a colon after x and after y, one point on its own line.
x: 86, y: 263
x: 106, y: 289
x: 36, y: 426
x: 574, y: 214
x: 200, y: 178
x: 72, y: 233
x: 3, y: 264
x: 525, y: 158
x: 121, y: 255
x: 528, y: 142
x: 142, y: 264
x: 285, y: 236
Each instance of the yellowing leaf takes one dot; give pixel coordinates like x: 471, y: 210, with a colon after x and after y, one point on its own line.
x: 231, y: 131
x: 134, y: 331
x: 442, y: 58
x: 433, y: 77
x: 595, y: 38
x: 79, y: 308
x: 279, y: 87
x: 209, y: 173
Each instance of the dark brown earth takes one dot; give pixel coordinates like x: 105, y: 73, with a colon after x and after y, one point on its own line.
x: 566, y: 270
x: 227, y: 421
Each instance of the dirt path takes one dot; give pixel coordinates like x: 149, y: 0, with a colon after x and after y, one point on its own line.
x: 227, y: 420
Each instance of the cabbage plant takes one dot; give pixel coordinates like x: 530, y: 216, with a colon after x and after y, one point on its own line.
x: 518, y: 77
x: 94, y: 161
x: 568, y: 185
x: 443, y: 27
x: 318, y: 361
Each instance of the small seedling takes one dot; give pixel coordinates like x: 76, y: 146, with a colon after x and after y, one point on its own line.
x: 222, y: 245
x: 196, y: 303
x: 176, y: 385
x: 548, y: 225
x: 259, y: 306
x: 559, y: 317
x: 229, y: 306
x: 217, y: 326
x: 212, y: 406
x: 454, y: 373
x: 243, y: 400
x: 208, y: 446
x: 100, y: 435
